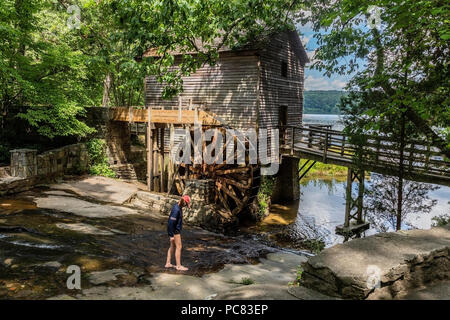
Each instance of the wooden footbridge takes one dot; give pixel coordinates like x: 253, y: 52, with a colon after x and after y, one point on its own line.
x: 421, y: 161
x: 418, y: 162
x: 236, y: 184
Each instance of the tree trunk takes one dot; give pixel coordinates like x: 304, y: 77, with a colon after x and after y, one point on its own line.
x: 106, y: 90
x: 401, y: 174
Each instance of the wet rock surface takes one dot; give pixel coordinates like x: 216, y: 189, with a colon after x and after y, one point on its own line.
x: 269, y: 281
x: 46, y: 230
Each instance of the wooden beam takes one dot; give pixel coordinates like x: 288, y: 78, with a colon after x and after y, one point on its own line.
x: 164, y: 116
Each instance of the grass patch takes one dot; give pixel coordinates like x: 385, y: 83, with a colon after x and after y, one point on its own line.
x: 298, y: 277
x: 246, y: 281
x: 323, y: 170
x: 299, y: 273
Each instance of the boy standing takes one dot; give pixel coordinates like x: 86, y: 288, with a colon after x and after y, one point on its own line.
x: 174, y: 227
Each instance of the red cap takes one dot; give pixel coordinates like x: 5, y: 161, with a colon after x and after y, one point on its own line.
x: 187, y: 199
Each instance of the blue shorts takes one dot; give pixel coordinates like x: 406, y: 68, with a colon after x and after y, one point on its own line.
x: 171, y: 230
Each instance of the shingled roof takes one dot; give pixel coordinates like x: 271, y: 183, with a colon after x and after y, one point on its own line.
x: 256, y: 45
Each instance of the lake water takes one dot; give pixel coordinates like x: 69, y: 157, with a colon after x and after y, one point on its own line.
x: 322, y: 203
x: 322, y: 208
x: 328, y: 119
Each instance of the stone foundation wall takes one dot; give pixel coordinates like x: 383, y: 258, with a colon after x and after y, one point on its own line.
x: 23, y: 163
x: 28, y: 168
x: 203, y: 212
x: 71, y: 159
x: 287, y: 186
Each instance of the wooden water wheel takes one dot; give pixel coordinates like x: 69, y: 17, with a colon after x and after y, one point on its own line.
x: 236, y: 185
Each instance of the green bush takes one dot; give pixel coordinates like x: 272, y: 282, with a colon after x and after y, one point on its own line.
x: 265, y: 193
x: 98, y: 160
x: 441, y: 221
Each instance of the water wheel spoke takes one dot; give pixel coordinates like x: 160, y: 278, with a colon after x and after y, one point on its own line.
x: 221, y: 197
x: 230, y: 192
x: 234, y: 170
x: 234, y: 183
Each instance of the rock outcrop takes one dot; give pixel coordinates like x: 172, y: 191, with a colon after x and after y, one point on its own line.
x: 383, y: 266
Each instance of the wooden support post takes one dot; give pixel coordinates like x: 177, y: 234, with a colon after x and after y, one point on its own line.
x: 163, y: 163
x: 325, y: 148
x: 170, y: 168
x: 293, y: 142
x: 310, y: 138
x: 156, y: 185
x: 348, y: 197
x: 354, y: 224
x: 149, y: 151
x: 360, y: 195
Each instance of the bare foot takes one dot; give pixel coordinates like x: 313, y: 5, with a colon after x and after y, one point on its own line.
x: 181, y: 268
x: 169, y: 265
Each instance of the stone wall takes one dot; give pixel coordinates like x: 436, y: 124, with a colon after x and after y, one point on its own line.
x: 127, y: 161
x: 383, y: 266
x: 23, y: 163
x: 71, y: 159
x: 203, y: 212
x: 28, y: 168
x: 287, y: 186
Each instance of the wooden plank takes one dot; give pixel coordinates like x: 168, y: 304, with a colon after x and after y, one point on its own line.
x: 164, y: 116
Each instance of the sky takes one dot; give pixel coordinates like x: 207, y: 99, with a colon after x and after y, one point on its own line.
x: 314, y: 79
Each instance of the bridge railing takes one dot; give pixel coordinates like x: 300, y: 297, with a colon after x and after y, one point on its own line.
x: 329, y: 145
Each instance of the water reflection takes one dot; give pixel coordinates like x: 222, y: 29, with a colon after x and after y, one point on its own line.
x: 322, y: 207
x: 322, y: 203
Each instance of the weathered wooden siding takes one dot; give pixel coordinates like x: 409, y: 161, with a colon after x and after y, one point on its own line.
x: 276, y: 90
x: 228, y: 89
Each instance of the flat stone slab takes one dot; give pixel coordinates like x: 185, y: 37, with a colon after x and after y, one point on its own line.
x: 303, y: 293
x: 101, y: 277
x: 439, y: 291
x: 100, y: 188
x: 82, y: 208
x: 84, y: 228
x: 257, y: 292
x: 392, y: 261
